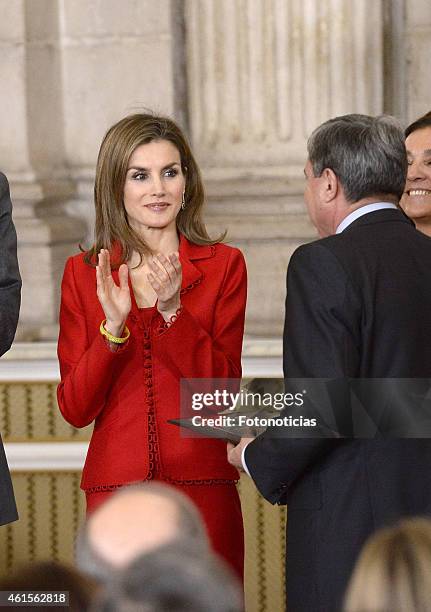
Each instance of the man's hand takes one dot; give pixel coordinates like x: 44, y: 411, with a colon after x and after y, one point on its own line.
x: 234, y: 453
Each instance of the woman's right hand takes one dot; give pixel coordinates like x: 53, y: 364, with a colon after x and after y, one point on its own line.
x: 115, y: 300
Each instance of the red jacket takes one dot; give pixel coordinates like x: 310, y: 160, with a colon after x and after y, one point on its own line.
x: 115, y: 389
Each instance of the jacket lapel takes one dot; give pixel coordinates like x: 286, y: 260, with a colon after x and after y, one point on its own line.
x: 192, y: 276
x: 190, y: 252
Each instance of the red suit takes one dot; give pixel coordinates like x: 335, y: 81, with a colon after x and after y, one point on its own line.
x: 130, y: 394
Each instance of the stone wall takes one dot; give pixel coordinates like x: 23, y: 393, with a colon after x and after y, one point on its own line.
x: 247, y: 79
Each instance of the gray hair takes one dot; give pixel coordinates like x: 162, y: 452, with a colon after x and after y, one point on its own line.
x: 190, y: 530
x: 367, y: 154
x: 172, y: 578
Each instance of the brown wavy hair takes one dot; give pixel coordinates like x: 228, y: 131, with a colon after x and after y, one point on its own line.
x: 111, y: 225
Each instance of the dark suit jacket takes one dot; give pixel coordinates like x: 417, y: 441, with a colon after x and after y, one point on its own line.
x: 10, y: 298
x: 358, y: 305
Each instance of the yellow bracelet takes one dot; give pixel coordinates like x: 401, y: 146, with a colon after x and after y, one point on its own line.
x: 112, y: 338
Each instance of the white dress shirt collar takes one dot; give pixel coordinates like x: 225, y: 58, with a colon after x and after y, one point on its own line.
x: 359, y: 212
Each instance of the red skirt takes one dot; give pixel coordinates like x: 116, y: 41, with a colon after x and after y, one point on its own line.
x: 220, y: 508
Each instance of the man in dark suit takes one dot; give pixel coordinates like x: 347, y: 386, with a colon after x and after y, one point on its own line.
x: 358, y: 305
x: 10, y: 298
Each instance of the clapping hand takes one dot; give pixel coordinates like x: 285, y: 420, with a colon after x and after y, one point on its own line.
x: 165, y: 278
x: 115, y: 300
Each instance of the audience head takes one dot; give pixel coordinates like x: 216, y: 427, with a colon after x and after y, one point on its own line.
x: 53, y: 576
x: 173, y: 578
x: 393, y: 572
x: 136, y: 520
x: 416, y: 200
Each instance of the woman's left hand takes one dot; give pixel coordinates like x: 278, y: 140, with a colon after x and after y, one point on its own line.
x: 165, y: 278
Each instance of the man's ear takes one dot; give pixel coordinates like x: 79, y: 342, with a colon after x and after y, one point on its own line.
x: 330, y: 185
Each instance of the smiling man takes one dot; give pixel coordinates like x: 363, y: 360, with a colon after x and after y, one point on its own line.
x: 416, y: 200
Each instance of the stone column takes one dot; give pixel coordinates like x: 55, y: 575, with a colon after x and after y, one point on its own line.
x: 118, y: 58
x: 416, y: 60
x: 32, y: 156
x: 69, y: 70
x: 262, y: 75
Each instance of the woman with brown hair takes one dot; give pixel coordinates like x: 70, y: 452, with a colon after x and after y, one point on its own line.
x: 154, y: 301
x: 393, y: 572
